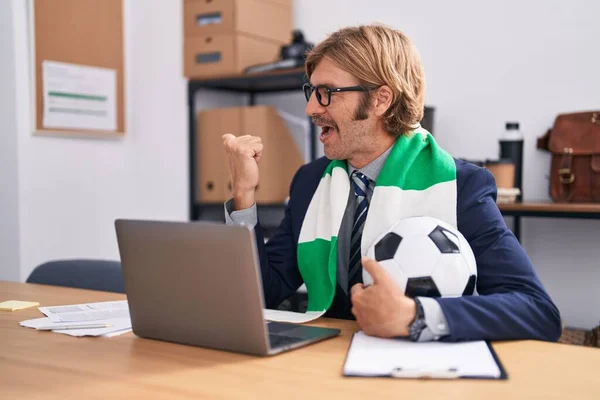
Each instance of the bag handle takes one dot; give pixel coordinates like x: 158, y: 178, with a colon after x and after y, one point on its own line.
x: 542, y: 142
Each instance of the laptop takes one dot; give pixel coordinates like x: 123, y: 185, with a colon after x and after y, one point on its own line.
x: 199, y: 283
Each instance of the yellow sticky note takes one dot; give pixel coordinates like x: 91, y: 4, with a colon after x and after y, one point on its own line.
x: 13, y: 305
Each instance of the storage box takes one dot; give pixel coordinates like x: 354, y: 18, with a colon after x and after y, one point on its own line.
x: 266, y: 19
x: 225, y: 54
x: 280, y: 161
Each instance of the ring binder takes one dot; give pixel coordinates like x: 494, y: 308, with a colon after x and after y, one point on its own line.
x: 425, y: 373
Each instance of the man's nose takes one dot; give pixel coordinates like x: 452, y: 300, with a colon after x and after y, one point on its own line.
x: 313, y: 107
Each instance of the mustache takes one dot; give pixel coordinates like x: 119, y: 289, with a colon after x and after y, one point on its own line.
x: 324, y: 121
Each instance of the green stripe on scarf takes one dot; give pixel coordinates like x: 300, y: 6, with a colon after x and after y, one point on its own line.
x: 429, y: 164
x: 418, y: 178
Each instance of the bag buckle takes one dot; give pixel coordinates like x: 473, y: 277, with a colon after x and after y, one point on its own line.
x: 596, y: 118
x: 564, y: 174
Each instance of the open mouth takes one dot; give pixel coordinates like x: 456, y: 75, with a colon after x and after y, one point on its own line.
x: 328, y: 127
x: 326, y: 131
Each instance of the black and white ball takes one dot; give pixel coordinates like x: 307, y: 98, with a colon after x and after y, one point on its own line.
x: 426, y: 257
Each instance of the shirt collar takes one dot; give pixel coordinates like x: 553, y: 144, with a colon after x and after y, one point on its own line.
x: 372, y: 169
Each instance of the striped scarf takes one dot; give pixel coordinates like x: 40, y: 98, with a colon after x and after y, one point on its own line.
x: 417, y: 179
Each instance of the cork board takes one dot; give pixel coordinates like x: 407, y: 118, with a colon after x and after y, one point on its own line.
x: 82, y: 32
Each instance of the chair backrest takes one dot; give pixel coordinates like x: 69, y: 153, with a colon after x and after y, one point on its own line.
x: 80, y: 273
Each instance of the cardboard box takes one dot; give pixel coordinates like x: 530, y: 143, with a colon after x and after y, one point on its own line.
x: 225, y: 54
x: 265, y: 19
x: 280, y: 161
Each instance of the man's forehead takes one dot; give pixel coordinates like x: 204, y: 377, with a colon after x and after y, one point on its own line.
x: 329, y: 74
x: 315, y: 82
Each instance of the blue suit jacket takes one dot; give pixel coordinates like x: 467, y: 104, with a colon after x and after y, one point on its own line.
x: 512, y: 304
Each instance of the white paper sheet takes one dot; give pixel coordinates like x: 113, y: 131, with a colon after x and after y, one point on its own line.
x: 87, y: 312
x: 289, y: 316
x: 79, y: 97
x: 118, y: 326
x: 371, y: 356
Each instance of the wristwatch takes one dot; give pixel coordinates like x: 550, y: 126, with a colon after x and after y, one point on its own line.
x: 418, y: 324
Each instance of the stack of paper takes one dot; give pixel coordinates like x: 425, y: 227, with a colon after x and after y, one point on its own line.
x: 80, y: 319
x: 291, y: 316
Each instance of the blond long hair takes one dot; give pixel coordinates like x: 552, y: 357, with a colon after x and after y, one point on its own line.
x: 378, y: 55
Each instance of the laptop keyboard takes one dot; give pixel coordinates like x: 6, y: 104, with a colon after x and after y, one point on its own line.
x: 281, y: 340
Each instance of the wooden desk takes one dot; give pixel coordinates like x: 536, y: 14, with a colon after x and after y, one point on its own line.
x: 548, y: 210
x: 36, y: 365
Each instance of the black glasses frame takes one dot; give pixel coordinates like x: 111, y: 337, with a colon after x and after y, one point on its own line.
x: 310, y: 89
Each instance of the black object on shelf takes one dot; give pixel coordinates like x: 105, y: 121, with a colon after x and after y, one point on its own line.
x: 291, y: 55
x: 273, y: 82
x: 297, y: 49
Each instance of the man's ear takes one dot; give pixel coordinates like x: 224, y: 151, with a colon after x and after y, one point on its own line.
x: 382, y: 100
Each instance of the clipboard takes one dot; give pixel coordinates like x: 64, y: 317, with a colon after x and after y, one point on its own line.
x: 369, y: 356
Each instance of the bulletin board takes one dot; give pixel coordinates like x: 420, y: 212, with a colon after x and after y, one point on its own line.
x: 82, y: 33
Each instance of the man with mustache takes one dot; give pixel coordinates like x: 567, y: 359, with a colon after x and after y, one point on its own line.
x: 366, y: 92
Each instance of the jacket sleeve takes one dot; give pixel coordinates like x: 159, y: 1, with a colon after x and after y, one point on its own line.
x: 512, y: 302
x: 279, y: 266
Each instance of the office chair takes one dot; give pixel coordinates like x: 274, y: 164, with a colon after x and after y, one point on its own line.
x: 80, y: 273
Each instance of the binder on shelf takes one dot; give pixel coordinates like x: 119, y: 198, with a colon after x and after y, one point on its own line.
x: 280, y: 161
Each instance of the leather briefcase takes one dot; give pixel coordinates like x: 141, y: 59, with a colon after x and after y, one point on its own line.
x: 574, y: 142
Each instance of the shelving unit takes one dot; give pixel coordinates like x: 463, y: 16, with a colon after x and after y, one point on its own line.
x: 272, y: 82
x: 548, y: 210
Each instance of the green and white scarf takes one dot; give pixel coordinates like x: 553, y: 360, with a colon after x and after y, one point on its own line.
x: 417, y: 179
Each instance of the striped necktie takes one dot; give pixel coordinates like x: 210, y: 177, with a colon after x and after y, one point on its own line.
x: 362, y: 189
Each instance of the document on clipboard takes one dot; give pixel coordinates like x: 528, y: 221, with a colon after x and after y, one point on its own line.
x: 369, y: 356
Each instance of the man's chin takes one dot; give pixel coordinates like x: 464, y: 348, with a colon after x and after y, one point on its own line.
x: 332, y: 154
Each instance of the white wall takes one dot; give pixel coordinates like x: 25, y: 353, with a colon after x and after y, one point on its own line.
x: 72, y: 190
x: 491, y: 62
x: 9, y: 185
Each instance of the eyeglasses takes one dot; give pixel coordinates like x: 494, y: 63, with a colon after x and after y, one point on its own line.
x: 323, y: 93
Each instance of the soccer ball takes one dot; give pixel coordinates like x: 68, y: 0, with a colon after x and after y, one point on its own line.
x: 425, y: 257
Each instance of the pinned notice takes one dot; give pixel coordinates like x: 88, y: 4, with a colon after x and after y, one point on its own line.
x: 79, y: 97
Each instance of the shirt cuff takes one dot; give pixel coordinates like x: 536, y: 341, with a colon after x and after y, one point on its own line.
x: 248, y: 217
x: 437, y: 325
